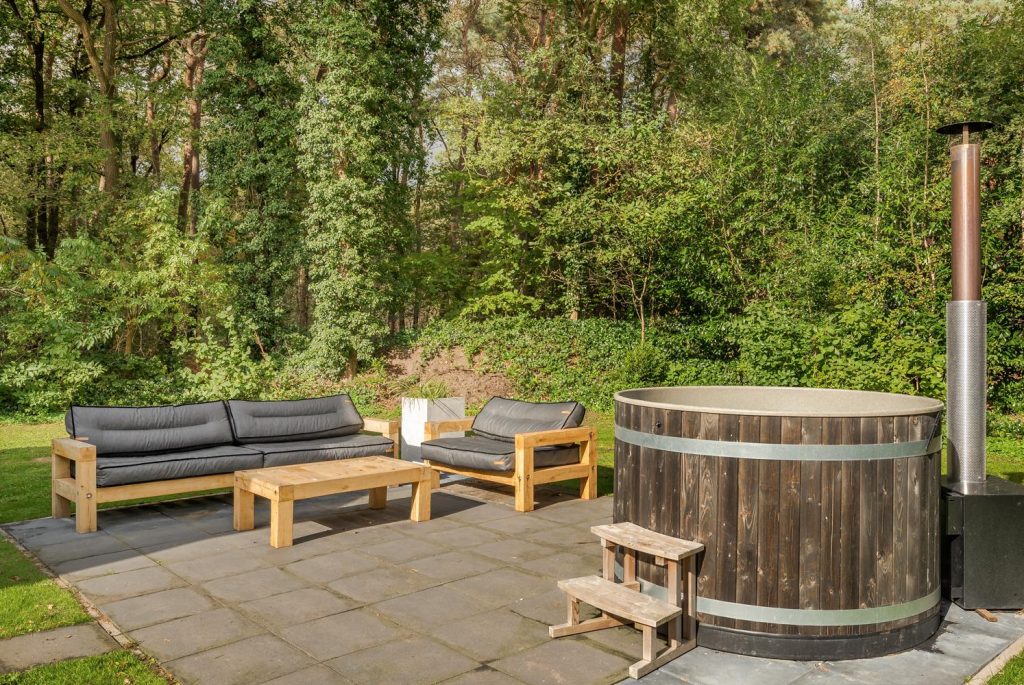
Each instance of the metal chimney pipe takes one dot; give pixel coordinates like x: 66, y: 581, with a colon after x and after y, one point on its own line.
x: 966, y: 381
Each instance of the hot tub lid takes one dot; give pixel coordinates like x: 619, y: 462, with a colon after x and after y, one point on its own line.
x: 778, y: 401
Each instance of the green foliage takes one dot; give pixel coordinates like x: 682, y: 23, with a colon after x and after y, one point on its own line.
x: 356, y: 141
x: 590, y: 195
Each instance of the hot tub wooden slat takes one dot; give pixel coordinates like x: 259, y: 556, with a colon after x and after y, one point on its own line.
x: 795, y: 533
x: 748, y: 485
x: 789, y: 528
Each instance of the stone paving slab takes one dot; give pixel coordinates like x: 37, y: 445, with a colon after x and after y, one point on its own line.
x: 297, y: 606
x: 252, y: 660
x: 114, y: 587
x: 261, y: 583
x: 334, y: 636
x: 412, y: 661
x: 567, y: 660
x: 195, y: 633
x: 33, y: 649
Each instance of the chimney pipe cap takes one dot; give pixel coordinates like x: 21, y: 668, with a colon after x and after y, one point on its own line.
x: 957, y: 128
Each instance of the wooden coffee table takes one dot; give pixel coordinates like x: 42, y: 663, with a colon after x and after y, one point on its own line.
x: 282, y: 485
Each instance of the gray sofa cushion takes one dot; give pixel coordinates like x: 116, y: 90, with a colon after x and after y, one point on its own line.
x: 122, y: 470
x: 150, y: 430
x: 291, y: 420
x: 488, y: 454
x: 502, y: 418
x: 323, y: 449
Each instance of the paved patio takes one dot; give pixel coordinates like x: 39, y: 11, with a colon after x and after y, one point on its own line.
x: 369, y: 597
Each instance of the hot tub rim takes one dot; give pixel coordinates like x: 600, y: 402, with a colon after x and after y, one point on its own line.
x: 916, y: 404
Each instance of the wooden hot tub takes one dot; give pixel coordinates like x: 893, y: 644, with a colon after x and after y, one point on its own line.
x: 818, y: 509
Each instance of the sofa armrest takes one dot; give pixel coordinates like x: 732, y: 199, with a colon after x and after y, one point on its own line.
x: 560, y: 436
x: 433, y: 429
x: 389, y: 428
x: 75, y: 450
x: 383, y: 426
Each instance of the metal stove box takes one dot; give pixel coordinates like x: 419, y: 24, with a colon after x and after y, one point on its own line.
x: 983, y: 545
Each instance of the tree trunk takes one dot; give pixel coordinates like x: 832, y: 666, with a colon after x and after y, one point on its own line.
x: 353, y: 365
x: 620, y: 20
x: 192, y: 76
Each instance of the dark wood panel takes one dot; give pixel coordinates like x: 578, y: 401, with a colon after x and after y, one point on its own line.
x: 768, y: 523
x: 728, y: 487
x: 884, y: 485
x: 789, y: 524
x: 748, y: 485
x: 849, y: 586
x: 707, y: 515
x: 810, y: 520
x: 831, y: 512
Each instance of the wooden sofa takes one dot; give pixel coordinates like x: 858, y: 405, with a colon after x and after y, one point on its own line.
x: 519, y: 444
x: 124, y: 453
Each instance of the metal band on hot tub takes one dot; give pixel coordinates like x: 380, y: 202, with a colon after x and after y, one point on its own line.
x: 758, y: 450
x: 802, y: 617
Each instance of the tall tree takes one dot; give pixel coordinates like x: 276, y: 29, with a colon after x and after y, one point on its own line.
x: 358, y: 140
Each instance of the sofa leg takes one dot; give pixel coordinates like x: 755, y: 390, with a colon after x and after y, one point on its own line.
x: 85, y: 503
x: 588, y: 456
x: 588, y: 485
x: 60, y: 506
x: 524, y: 475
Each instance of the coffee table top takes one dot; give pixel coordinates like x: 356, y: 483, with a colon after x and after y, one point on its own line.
x: 322, y: 477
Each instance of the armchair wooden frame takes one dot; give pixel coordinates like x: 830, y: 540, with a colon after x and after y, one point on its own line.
x: 81, y: 489
x: 525, y: 477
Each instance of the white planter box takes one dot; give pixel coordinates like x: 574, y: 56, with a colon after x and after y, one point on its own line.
x: 416, y: 412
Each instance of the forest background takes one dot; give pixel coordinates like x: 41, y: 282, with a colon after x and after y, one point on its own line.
x: 203, y: 199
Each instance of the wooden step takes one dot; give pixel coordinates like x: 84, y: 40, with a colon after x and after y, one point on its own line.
x: 620, y: 601
x: 643, y: 540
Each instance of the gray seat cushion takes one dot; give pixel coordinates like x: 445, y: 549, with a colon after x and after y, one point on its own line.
x: 322, y: 449
x: 291, y: 420
x: 151, y: 430
x: 503, y: 418
x: 487, y: 454
x: 122, y: 470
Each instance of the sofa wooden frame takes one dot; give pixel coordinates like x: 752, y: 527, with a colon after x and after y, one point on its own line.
x: 525, y: 477
x: 81, y: 489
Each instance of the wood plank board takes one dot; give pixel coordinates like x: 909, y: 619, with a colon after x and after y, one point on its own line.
x: 646, y: 541
x: 620, y: 601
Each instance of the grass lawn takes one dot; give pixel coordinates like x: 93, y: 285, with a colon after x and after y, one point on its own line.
x: 112, y: 668
x: 29, y: 601
x: 1012, y: 673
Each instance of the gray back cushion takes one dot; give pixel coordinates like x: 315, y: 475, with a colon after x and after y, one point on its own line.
x: 151, y: 430
x: 284, y: 420
x: 502, y: 418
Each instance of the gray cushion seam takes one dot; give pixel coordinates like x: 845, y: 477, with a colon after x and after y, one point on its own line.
x: 242, y: 438
x: 309, y: 449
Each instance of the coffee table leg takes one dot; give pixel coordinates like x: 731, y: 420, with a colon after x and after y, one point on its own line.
x: 421, y: 499
x: 378, y: 497
x: 245, y: 505
x: 281, y: 517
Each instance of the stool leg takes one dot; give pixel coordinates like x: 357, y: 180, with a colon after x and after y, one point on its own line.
x: 691, y: 598
x: 675, y: 627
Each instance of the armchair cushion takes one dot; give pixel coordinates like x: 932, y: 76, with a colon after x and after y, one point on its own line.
x: 123, y: 470
x: 502, y: 419
x: 292, y: 420
x: 322, y: 449
x: 487, y: 454
x: 139, y: 431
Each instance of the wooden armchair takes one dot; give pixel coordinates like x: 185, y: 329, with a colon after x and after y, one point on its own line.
x: 522, y: 455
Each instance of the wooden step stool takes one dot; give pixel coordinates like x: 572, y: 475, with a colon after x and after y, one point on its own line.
x: 623, y: 604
